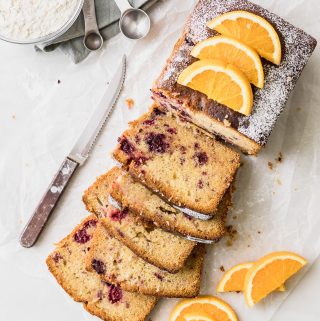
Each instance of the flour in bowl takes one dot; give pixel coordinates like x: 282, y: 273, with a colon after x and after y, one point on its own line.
x: 32, y: 19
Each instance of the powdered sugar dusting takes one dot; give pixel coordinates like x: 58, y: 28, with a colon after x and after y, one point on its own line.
x: 269, y: 102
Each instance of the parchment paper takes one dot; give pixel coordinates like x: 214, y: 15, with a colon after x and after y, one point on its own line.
x: 273, y: 209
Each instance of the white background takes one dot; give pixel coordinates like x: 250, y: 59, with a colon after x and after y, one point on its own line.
x: 40, y: 119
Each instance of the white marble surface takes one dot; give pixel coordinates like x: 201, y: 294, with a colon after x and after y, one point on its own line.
x: 40, y: 119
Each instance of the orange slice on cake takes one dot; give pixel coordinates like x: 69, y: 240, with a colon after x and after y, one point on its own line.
x: 205, y: 308
x: 220, y: 81
x: 269, y: 273
x: 253, y: 30
x: 232, y: 52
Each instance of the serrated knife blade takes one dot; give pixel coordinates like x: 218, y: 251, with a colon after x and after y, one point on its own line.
x: 78, y: 155
x: 85, y: 142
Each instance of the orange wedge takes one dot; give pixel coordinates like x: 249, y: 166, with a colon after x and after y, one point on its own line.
x: 233, y: 279
x: 205, y: 308
x: 232, y: 52
x: 220, y: 81
x: 251, y: 29
x: 269, y: 273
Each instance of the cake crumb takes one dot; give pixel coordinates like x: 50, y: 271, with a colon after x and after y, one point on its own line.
x: 59, y: 81
x: 222, y: 268
x: 279, y: 159
x: 231, y: 233
x: 226, y: 123
x: 130, y: 103
x: 279, y: 181
x: 14, y: 117
x: 259, y: 232
x: 270, y: 165
x: 234, y: 217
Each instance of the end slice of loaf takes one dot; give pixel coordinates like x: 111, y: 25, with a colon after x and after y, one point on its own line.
x: 130, y: 193
x: 117, y: 264
x: 178, y: 160
x: 155, y: 245
x: 108, y: 302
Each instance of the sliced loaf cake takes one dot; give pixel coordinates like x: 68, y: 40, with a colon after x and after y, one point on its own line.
x: 178, y: 160
x: 106, y: 301
x: 117, y: 264
x: 155, y: 245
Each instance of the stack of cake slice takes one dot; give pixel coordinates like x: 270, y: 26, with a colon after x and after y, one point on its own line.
x: 171, y: 193
x: 172, y: 190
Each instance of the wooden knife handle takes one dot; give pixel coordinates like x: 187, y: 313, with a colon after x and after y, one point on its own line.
x: 47, y: 204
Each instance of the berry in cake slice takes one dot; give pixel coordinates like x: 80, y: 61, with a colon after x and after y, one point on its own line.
x: 106, y: 301
x: 178, y: 160
x: 117, y: 264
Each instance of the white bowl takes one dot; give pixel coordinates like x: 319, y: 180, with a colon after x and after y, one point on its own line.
x: 50, y: 37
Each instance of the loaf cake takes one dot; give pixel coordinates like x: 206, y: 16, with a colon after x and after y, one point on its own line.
x: 178, y: 160
x: 135, y: 196
x: 117, y: 264
x: 251, y: 132
x: 160, y: 248
x: 106, y: 301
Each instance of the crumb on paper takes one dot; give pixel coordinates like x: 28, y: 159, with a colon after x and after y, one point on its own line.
x: 295, y: 189
x: 59, y: 81
x: 234, y: 217
x: 270, y: 165
x: 222, y: 269
x: 130, y: 103
x: 279, y: 159
x: 279, y: 181
x: 13, y: 116
x: 231, y: 234
x: 259, y: 232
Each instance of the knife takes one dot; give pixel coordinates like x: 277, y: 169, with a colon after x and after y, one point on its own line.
x: 77, y: 157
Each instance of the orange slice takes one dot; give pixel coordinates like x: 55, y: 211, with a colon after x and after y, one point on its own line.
x: 233, y: 279
x: 269, y: 273
x: 232, y: 52
x: 252, y: 30
x: 203, y: 308
x: 220, y: 81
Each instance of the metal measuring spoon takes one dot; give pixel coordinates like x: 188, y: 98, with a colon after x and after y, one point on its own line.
x: 92, y: 37
x: 134, y: 23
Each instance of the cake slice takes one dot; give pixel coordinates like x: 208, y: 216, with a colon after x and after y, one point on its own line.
x: 177, y: 159
x: 106, y: 301
x: 131, y: 194
x: 155, y: 245
x: 117, y: 264
x: 251, y: 132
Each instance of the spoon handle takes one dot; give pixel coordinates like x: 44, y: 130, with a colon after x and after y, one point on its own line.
x: 123, y: 5
x: 90, y: 20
